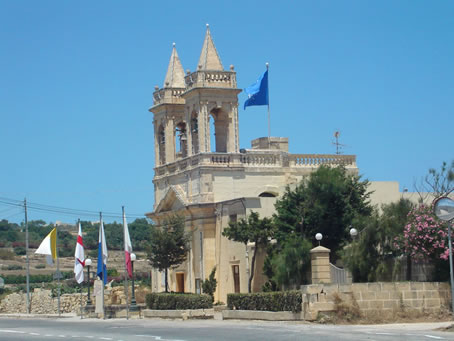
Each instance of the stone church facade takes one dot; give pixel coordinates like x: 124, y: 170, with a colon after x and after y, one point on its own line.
x: 212, y: 186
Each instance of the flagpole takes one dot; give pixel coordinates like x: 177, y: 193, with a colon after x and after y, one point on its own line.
x: 26, y: 257
x: 81, y: 283
x: 268, y: 88
x: 102, y: 259
x: 58, y: 270
x: 126, y: 270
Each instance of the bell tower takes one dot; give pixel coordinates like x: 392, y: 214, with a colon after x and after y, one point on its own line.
x: 169, y: 124
x: 211, y: 100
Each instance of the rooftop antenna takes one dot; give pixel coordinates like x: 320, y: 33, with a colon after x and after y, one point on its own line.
x: 338, y: 145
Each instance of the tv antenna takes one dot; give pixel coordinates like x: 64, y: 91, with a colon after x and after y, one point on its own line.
x: 338, y: 145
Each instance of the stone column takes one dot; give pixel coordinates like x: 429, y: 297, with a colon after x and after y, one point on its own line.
x: 321, y: 272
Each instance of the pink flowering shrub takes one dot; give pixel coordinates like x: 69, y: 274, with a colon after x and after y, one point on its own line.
x: 424, y: 235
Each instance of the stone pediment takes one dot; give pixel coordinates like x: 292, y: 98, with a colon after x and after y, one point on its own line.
x: 173, y: 200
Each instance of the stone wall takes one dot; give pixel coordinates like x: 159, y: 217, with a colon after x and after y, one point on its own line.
x: 42, y: 301
x: 382, y: 298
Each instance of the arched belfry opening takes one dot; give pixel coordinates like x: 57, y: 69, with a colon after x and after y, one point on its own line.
x: 194, y: 126
x: 162, y: 145
x: 181, y: 140
x: 220, y: 124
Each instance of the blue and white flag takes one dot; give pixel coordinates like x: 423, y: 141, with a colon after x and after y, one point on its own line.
x: 258, y: 92
x: 102, y: 255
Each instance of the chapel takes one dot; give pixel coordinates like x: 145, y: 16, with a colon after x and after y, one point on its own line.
x: 202, y: 174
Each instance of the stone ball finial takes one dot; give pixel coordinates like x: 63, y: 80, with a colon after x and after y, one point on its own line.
x: 208, y: 25
x: 232, y: 67
x: 173, y: 44
x: 267, y: 65
x: 156, y: 87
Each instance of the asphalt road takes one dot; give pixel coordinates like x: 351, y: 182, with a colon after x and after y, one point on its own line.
x: 176, y: 330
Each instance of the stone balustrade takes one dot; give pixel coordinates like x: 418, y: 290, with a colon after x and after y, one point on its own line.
x: 255, y: 159
x: 216, y: 79
x: 168, y: 96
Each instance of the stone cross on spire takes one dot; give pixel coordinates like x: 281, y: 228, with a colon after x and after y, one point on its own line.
x: 209, y: 58
x: 175, y: 73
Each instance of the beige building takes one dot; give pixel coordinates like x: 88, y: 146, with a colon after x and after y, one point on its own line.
x: 211, y: 187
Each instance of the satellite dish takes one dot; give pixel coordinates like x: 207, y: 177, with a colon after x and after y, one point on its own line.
x: 444, y: 208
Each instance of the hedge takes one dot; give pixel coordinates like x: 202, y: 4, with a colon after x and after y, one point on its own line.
x: 163, y: 301
x: 266, y: 301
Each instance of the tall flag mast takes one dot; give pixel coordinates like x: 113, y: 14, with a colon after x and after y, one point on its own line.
x: 128, y: 251
x: 258, y: 94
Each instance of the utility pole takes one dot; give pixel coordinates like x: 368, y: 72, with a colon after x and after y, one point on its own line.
x: 26, y: 257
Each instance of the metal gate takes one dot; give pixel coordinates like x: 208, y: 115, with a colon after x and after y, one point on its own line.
x: 338, y: 275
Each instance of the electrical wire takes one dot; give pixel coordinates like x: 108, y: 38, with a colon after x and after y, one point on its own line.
x: 64, y: 210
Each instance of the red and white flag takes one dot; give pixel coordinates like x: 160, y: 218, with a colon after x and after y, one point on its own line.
x: 79, y: 258
x: 128, y: 246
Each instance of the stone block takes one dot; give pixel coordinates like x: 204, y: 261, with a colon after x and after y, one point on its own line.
x: 368, y: 296
x: 402, y: 286
x: 331, y: 288
x: 388, y: 286
x: 345, y: 288
x: 416, y: 286
x: 390, y: 304
x: 432, y: 303
x: 382, y: 295
x: 395, y: 295
x: 374, y: 287
x: 359, y: 287
x: 410, y: 295
x: 376, y: 304
x: 363, y: 305
x: 430, y: 285
x: 326, y: 306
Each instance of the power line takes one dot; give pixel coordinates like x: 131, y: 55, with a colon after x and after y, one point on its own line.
x: 64, y: 210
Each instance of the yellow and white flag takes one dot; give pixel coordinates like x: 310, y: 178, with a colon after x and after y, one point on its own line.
x: 48, y: 247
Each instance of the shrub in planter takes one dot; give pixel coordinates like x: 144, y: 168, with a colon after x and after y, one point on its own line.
x: 165, y: 301
x: 266, y: 301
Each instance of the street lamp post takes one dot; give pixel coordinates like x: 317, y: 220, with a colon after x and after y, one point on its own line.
x: 133, y: 296
x: 319, y: 237
x: 444, y: 210
x: 88, y: 264
x: 353, y: 232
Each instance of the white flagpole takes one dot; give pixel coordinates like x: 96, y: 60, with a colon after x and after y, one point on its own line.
x: 58, y: 269
x: 268, y: 89
x: 126, y: 270
x: 102, y: 259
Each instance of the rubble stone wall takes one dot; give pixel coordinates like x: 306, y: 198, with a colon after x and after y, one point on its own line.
x: 42, y: 301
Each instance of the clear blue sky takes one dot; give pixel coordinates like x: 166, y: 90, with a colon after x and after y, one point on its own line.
x: 77, y: 77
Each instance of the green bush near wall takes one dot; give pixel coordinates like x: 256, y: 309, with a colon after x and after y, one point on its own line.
x: 163, y: 301
x: 266, y: 301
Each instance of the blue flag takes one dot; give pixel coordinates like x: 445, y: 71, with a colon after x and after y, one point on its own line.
x: 258, y: 92
x: 102, y: 255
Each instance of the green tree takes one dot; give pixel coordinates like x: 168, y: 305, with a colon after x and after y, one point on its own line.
x: 327, y: 201
x: 169, y: 245
x: 370, y: 256
x: 209, y: 284
x: 255, y: 230
x: 290, y: 262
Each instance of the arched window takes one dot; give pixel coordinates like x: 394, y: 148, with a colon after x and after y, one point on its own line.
x: 218, y: 130
x: 267, y: 195
x: 181, y: 140
x: 162, y: 145
x: 194, y: 133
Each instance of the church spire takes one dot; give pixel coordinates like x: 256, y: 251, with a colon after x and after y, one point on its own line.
x: 209, y: 58
x: 175, y: 73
